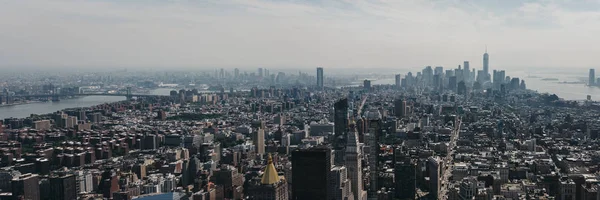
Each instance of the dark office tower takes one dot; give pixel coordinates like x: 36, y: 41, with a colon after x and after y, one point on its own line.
x: 63, y: 187
x: 374, y: 131
x: 523, y: 86
x: 398, y: 81
x: 310, y: 173
x: 236, y: 73
x: 399, y: 108
x: 320, y: 78
x: 405, y: 173
x: 260, y: 72
x: 514, y: 83
x: 592, y: 80
x: 452, y: 83
x: 466, y: 71
x: 26, y: 187
x: 340, y: 119
x: 222, y: 73
x: 367, y: 85
x: 486, y: 63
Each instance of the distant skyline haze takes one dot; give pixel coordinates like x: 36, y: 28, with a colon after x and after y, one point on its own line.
x: 333, y: 34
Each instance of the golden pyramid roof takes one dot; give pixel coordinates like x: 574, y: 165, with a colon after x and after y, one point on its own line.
x: 270, y: 176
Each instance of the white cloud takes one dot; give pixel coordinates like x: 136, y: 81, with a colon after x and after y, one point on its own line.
x: 279, y: 34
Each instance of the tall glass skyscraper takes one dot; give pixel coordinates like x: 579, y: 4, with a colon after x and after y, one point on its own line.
x: 320, y: 77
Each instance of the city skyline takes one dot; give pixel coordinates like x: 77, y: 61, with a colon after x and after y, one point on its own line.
x: 273, y: 34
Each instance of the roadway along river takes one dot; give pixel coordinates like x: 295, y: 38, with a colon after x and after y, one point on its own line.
x: 25, y: 110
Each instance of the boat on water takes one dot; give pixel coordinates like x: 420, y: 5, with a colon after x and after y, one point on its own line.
x: 549, y: 79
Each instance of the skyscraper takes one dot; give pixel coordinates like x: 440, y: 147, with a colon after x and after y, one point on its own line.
x: 398, y: 80
x: 260, y: 72
x: 592, y: 80
x: 259, y: 141
x: 486, y: 63
x: 320, y: 78
x: 466, y: 71
x: 353, y: 164
x: 340, y: 120
x: 310, y: 172
x: 372, y: 152
x: 399, y: 108
x: 340, y: 184
x: 435, y: 171
x: 405, y: 175
x: 236, y: 73
x: 367, y: 85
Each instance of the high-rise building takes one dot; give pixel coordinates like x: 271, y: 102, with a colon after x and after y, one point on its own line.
x: 63, y: 187
x: 320, y: 78
x: 405, y: 175
x: 259, y: 141
x: 466, y: 71
x: 271, y: 186
x: 452, y: 84
x: 374, y: 130
x: 486, y: 63
x: 260, y: 72
x: 236, y: 73
x: 310, y: 172
x: 340, y: 119
x: 434, y: 166
x: 592, y: 80
x: 340, y: 185
x: 427, y: 76
x: 399, y: 108
x: 398, y: 80
x: 353, y: 165
x: 26, y: 187
x: 439, y: 70
x: 514, y: 83
x: 367, y: 85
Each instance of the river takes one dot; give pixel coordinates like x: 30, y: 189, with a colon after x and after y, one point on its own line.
x: 25, y: 110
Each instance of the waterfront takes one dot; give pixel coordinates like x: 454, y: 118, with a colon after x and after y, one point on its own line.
x: 25, y: 110
x: 565, y: 91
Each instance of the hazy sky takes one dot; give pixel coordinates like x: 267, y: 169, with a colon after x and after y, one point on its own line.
x: 299, y: 33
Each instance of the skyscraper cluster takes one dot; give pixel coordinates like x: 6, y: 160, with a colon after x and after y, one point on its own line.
x: 461, y: 79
